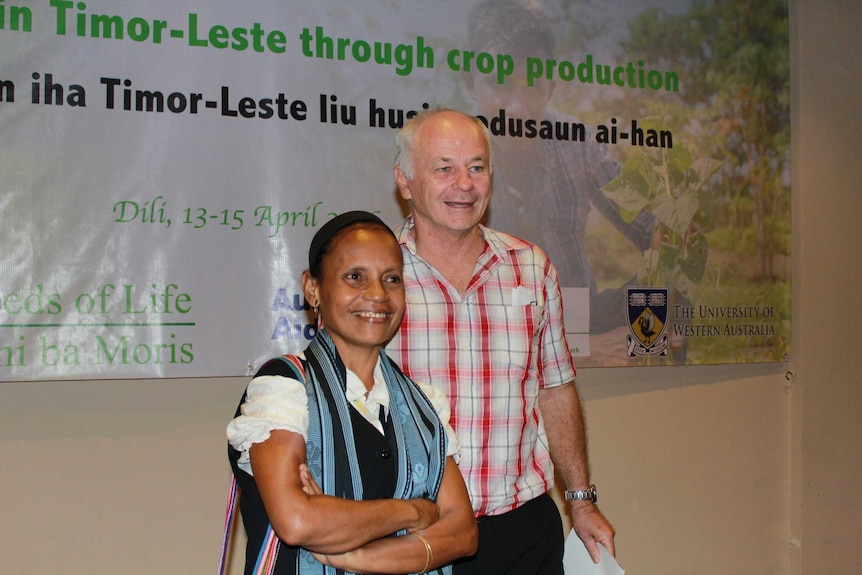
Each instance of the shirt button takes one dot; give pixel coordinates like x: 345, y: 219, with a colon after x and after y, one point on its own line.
x: 384, y: 454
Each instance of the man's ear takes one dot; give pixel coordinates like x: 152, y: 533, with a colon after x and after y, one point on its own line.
x: 403, y: 183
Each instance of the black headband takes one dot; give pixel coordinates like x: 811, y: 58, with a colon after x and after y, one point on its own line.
x: 335, y: 225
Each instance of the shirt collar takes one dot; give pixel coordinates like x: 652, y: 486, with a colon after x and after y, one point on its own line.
x: 379, y: 394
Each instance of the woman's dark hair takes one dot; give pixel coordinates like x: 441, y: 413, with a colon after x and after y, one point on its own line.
x: 322, y: 240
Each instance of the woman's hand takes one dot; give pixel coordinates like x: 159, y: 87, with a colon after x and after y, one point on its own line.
x: 309, y: 485
x: 427, y: 511
x: 337, y: 560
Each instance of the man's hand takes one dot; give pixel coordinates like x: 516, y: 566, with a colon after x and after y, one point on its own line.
x: 592, y: 527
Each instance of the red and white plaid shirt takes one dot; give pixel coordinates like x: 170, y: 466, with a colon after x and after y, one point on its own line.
x: 490, y: 351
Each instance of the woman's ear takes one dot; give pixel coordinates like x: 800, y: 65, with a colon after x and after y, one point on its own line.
x: 310, y: 290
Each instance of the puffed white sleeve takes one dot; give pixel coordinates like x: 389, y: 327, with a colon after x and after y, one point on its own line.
x: 272, y: 402
x: 441, y: 405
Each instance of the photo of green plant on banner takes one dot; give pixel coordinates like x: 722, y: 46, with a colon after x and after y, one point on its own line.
x: 720, y: 195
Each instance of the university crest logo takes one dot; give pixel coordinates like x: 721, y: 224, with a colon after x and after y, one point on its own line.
x: 647, y: 314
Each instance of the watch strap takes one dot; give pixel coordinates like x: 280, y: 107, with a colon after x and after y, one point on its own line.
x: 582, y: 494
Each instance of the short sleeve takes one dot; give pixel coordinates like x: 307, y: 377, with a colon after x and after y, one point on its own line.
x: 556, y: 364
x: 440, y: 403
x: 273, y: 402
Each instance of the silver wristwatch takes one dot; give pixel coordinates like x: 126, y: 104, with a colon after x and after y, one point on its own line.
x: 583, y: 495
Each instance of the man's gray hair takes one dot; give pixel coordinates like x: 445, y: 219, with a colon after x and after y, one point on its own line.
x: 405, y: 139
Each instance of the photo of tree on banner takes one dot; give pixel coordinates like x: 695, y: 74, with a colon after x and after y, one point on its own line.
x: 680, y: 178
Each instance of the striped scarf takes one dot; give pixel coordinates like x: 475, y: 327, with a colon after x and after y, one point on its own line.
x: 420, y: 436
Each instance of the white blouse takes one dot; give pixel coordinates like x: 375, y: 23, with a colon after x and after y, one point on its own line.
x: 278, y: 402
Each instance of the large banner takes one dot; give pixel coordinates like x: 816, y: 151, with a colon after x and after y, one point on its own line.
x: 164, y: 165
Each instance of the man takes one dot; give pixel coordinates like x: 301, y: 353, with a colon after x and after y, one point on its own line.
x: 484, y: 324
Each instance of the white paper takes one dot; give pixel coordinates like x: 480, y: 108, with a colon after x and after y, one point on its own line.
x: 576, y: 315
x: 577, y: 561
x: 576, y: 309
x: 523, y: 296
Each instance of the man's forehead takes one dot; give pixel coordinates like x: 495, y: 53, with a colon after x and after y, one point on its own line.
x: 451, y: 158
x: 450, y: 142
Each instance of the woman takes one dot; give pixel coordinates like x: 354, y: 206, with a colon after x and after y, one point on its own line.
x: 342, y: 454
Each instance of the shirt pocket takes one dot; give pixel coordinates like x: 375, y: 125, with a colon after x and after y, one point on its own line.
x: 514, y: 335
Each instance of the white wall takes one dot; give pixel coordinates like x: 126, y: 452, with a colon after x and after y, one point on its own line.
x: 827, y: 433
